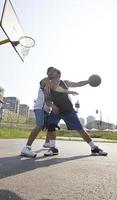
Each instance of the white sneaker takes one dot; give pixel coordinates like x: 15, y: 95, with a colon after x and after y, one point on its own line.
x: 46, y: 145
x: 26, y: 151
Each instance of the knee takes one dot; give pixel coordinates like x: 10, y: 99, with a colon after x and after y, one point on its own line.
x: 51, y: 127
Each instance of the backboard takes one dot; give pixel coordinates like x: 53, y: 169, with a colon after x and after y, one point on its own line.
x: 12, y: 28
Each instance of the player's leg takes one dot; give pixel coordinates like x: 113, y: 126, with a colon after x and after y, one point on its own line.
x: 73, y: 123
x: 50, y: 136
x: 47, y: 141
x: 53, y: 150
x: 53, y: 121
x: 27, y: 151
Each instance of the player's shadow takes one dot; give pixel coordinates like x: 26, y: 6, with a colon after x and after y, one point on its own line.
x: 10, y: 166
x: 8, y: 195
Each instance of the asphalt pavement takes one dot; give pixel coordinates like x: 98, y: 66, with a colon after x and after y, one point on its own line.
x: 72, y: 175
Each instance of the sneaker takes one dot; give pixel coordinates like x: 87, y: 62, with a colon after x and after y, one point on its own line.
x: 26, y: 151
x: 98, y: 152
x: 46, y: 145
x: 51, y: 152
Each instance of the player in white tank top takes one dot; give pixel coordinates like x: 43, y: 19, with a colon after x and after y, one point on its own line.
x: 40, y: 102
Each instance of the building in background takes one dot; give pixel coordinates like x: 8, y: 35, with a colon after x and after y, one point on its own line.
x: 90, y: 122
x: 12, y: 104
x: 24, y: 110
x: 90, y: 119
x: 1, y: 102
x: 1, y: 94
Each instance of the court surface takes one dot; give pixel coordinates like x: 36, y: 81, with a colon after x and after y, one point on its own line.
x: 73, y: 174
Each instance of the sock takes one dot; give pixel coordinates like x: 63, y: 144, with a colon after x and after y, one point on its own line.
x: 47, y: 143
x: 52, y: 143
x: 28, y: 146
x: 92, y: 145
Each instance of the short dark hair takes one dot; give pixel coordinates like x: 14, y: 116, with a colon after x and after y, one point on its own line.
x: 49, y: 68
x: 58, y: 72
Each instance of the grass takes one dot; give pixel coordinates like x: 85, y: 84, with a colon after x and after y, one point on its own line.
x: 101, y: 134
x: 17, y: 133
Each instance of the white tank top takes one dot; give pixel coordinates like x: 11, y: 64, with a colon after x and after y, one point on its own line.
x: 40, y: 102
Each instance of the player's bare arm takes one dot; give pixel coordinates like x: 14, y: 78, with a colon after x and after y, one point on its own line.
x: 55, y: 86
x: 46, y: 82
x: 76, y: 84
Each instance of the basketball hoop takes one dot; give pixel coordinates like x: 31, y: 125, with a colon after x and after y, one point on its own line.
x: 10, y: 24
x: 25, y: 41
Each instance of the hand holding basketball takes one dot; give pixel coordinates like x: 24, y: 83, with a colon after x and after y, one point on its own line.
x: 94, y: 80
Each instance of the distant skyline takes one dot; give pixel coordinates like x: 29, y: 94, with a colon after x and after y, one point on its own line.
x: 84, y: 120
x: 77, y: 36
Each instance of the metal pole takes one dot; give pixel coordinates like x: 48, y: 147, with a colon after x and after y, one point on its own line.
x: 4, y: 41
x: 100, y: 119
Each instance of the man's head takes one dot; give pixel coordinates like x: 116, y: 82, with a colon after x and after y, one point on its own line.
x: 53, y: 73
x: 58, y: 73
x: 49, y: 72
x: 50, y: 69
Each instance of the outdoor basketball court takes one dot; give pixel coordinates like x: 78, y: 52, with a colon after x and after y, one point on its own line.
x: 72, y: 175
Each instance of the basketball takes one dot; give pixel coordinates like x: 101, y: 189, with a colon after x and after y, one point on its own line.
x: 94, y: 80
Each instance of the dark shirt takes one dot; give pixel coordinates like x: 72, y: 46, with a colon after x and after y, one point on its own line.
x: 61, y: 100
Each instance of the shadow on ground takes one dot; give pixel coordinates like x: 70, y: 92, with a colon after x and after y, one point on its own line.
x: 14, y: 165
x: 6, y: 195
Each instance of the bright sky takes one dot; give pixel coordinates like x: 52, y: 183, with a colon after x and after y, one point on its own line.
x: 77, y: 36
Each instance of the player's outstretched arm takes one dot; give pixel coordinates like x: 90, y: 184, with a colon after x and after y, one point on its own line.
x: 76, y: 84
x: 54, y: 86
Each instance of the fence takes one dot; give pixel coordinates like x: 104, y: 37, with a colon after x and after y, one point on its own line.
x: 22, y: 126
